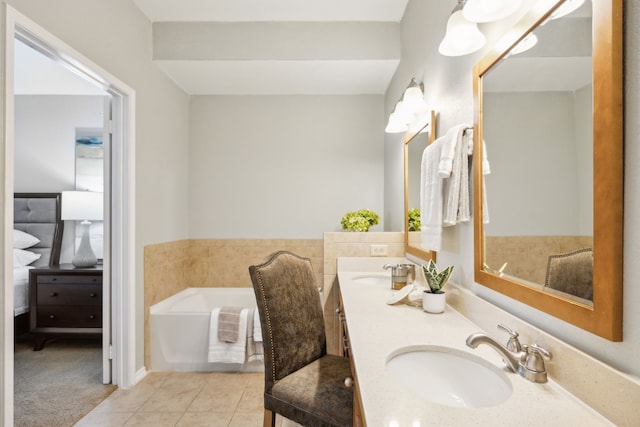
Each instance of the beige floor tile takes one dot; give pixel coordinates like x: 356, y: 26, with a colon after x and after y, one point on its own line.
x: 214, y: 398
x: 104, y: 419
x: 233, y: 380
x: 246, y: 419
x: 284, y: 422
x: 154, y: 419
x: 171, y: 399
x: 155, y: 379
x: 252, y: 400
x: 126, y: 400
x: 185, y: 380
x: 205, y: 419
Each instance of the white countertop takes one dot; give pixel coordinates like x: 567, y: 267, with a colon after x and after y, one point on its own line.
x: 377, y: 329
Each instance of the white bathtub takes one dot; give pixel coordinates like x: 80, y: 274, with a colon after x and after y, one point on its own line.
x: 180, y: 329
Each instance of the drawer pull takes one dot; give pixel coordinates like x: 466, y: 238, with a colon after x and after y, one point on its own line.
x: 93, y: 295
x: 53, y: 294
x: 93, y: 316
x: 51, y: 316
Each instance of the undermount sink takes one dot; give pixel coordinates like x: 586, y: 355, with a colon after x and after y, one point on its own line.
x: 448, y: 376
x: 373, y: 279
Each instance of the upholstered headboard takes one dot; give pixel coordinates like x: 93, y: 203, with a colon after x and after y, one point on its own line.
x: 39, y: 215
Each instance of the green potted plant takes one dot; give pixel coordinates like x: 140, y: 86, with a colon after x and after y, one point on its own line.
x: 433, y: 300
x: 413, y: 216
x: 360, y: 220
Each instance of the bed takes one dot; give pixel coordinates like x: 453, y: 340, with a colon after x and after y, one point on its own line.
x: 35, y: 215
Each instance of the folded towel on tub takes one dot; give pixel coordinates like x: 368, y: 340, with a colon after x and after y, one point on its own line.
x: 229, y: 324
x: 255, y: 351
x: 227, y: 352
x: 257, y: 328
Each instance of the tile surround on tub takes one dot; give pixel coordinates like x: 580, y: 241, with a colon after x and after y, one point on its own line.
x: 174, y: 266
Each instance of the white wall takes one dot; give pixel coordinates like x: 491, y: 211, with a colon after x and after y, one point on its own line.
x: 283, y: 166
x: 45, y: 126
x: 520, y: 148
x: 44, y: 145
x: 448, y: 87
x: 116, y: 36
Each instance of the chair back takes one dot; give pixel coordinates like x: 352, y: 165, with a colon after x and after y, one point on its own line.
x: 291, y: 317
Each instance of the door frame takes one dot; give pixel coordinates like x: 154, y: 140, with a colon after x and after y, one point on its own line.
x: 122, y: 268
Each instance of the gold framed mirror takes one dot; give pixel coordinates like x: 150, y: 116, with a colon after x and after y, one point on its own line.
x: 414, y: 146
x: 529, y: 208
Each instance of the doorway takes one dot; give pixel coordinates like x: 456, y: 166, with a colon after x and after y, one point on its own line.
x: 119, y: 267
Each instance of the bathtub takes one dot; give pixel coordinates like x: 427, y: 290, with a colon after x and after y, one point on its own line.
x: 180, y: 329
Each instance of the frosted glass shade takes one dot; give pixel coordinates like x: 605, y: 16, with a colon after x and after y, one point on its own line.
x: 567, y: 7
x: 527, y: 43
x: 396, y: 124
x: 462, y: 37
x: 413, y: 99
x: 489, y: 10
x: 82, y: 205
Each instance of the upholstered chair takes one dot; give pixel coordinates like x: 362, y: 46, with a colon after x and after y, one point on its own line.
x: 571, y: 273
x: 302, y: 382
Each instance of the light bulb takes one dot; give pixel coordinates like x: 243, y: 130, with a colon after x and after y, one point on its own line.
x: 462, y: 37
x: 489, y: 10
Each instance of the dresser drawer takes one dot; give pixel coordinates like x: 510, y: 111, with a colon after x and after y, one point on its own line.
x: 69, y: 279
x: 66, y: 317
x: 64, y: 294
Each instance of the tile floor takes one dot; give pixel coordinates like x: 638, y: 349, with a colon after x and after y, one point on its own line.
x: 185, y: 399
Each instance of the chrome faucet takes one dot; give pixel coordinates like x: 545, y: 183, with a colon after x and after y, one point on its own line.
x: 527, y: 360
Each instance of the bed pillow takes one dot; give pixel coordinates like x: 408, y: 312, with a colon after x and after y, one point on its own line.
x: 22, y: 240
x: 22, y: 257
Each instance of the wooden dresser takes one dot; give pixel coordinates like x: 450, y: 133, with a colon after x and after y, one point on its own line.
x: 64, y: 301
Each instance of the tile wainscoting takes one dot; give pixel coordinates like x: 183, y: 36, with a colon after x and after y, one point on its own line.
x: 173, y: 266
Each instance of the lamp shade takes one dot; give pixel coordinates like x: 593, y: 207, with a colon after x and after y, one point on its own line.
x: 462, y: 36
x: 566, y: 8
x: 489, y: 10
x: 525, y: 44
x: 82, y: 205
x: 396, y: 123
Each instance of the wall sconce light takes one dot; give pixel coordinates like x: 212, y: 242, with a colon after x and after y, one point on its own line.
x: 566, y: 8
x: 83, y: 206
x: 462, y: 37
x: 489, y: 10
x: 410, y: 111
x: 525, y: 44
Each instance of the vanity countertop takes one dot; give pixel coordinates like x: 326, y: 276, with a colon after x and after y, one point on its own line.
x: 376, y: 329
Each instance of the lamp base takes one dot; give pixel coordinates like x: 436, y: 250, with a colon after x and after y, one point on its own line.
x: 84, y: 256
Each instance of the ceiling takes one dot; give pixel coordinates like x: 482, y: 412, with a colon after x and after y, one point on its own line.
x: 273, y: 10
x: 280, y: 74
x: 329, y: 74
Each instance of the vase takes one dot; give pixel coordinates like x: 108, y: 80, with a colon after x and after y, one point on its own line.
x: 433, y: 303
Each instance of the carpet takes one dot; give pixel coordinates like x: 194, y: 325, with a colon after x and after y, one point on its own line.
x: 58, y: 385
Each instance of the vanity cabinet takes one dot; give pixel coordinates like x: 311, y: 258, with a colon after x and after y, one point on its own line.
x: 64, y: 301
x: 344, y: 350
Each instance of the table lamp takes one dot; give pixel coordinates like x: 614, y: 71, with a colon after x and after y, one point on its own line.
x: 83, y: 206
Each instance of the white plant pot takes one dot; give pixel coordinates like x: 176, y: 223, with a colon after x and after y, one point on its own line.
x: 433, y: 303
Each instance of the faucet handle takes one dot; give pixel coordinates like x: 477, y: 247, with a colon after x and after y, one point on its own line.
x: 513, y: 344
x: 538, y: 352
x: 533, y: 366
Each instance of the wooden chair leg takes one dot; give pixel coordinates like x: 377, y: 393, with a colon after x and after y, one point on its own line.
x: 269, y: 418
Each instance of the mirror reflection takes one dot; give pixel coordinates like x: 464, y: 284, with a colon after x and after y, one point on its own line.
x: 555, y: 192
x: 538, y: 130
x: 414, y: 146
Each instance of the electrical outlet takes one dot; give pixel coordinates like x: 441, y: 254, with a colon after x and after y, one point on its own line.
x: 379, y: 250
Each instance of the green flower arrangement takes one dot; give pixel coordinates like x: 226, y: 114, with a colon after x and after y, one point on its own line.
x: 361, y: 220
x: 436, y: 279
x: 414, y: 219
